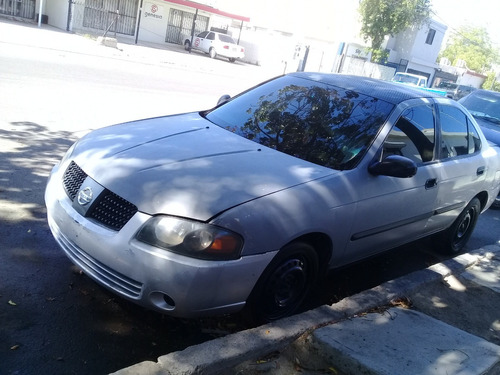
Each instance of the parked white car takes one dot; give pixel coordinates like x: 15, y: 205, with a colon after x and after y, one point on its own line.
x: 216, y: 44
x: 248, y: 204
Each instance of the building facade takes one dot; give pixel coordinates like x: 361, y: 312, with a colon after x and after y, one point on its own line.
x: 416, y: 49
x: 156, y: 21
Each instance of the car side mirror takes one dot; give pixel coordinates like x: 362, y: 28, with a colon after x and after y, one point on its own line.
x: 394, y: 166
x: 223, y: 99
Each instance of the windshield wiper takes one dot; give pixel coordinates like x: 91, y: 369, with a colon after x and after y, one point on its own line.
x: 484, y: 116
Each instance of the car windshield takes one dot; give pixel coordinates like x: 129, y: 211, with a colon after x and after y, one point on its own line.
x: 405, y: 78
x: 447, y: 86
x: 484, y: 105
x: 320, y: 123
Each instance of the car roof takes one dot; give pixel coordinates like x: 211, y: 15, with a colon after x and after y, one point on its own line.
x: 388, y: 91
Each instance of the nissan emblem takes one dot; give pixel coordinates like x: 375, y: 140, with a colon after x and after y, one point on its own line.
x: 85, y: 196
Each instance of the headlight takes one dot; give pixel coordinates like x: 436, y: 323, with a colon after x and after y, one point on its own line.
x: 191, y: 238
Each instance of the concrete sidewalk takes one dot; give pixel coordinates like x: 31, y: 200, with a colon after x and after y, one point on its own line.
x: 27, y: 34
x: 441, y: 320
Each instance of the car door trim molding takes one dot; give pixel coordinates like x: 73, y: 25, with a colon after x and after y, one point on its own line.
x: 387, y: 227
x: 398, y: 224
x: 443, y: 210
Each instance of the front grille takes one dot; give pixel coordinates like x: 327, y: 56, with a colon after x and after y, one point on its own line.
x: 73, y: 179
x: 108, y: 209
x: 112, y: 211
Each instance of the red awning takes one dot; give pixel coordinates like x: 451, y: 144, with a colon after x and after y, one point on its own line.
x: 209, y: 9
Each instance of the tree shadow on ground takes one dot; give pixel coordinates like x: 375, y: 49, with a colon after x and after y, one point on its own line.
x: 52, y: 301
x: 28, y: 153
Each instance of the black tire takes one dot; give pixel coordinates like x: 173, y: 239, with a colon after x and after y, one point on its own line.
x: 232, y: 59
x: 187, y: 45
x: 285, y: 283
x: 455, y: 237
x: 212, y: 53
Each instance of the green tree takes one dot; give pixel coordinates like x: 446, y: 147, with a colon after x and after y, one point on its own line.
x: 473, y: 45
x: 380, y: 18
x: 491, y: 83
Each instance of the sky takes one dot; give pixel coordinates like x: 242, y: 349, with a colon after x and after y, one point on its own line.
x: 455, y: 13
x: 333, y: 16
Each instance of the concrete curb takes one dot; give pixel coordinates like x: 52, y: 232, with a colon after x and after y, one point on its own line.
x: 222, y: 354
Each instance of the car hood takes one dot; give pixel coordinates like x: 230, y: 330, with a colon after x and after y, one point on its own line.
x: 186, y: 166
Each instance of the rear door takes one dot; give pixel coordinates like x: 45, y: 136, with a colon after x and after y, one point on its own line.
x: 463, y: 166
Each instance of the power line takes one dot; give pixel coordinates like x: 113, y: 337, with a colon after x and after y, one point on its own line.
x: 461, y: 34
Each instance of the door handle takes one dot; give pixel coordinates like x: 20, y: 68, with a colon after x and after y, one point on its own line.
x: 480, y: 171
x: 430, y: 183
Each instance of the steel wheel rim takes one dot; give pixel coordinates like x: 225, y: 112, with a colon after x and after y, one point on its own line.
x: 463, y: 229
x: 287, y: 286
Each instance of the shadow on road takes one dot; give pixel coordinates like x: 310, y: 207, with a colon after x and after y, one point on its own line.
x: 54, y: 319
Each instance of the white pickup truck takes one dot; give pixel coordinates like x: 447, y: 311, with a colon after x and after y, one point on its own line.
x: 415, y: 81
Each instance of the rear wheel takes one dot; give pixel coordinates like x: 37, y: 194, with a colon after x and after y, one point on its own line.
x: 232, y: 59
x: 454, y: 238
x: 212, y: 53
x: 285, y: 283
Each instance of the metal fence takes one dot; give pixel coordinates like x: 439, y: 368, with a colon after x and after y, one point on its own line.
x: 117, y: 15
x: 18, y: 8
x: 180, y: 24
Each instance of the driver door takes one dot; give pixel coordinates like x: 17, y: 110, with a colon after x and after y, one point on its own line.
x: 393, y: 210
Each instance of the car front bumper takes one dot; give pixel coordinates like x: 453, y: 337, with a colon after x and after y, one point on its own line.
x: 151, y: 277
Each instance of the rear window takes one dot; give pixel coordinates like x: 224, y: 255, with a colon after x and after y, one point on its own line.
x: 323, y: 124
x: 226, y: 39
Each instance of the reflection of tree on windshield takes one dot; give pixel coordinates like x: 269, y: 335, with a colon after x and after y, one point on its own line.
x: 323, y: 125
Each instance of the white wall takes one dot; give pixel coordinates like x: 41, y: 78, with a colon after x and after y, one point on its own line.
x: 471, y: 80
x: 424, y: 51
x: 363, y: 68
x: 56, y: 10
x: 154, y: 17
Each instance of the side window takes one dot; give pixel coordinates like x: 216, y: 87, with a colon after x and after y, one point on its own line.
x: 474, y: 140
x: 458, y: 137
x: 413, y: 135
x: 203, y: 35
x: 211, y: 36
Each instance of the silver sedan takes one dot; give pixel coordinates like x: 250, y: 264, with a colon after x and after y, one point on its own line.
x: 248, y: 204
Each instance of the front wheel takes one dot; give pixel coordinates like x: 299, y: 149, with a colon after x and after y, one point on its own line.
x: 285, y: 283
x: 212, y: 53
x: 454, y: 238
x: 187, y: 45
